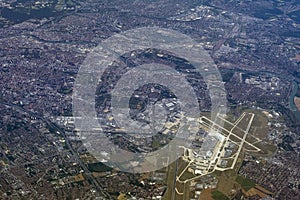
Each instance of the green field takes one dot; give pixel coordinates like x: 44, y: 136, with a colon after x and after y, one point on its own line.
x: 246, y: 183
x: 98, y: 167
x: 217, y: 195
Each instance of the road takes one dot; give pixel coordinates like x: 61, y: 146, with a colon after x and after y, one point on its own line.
x: 235, y: 30
x: 55, y: 127
x: 174, y: 183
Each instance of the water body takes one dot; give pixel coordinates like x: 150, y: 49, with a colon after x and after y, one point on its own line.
x: 292, y: 103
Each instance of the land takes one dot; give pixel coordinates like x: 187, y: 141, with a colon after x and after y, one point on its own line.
x: 297, y: 102
x: 255, y: 45
x: 194, y: 167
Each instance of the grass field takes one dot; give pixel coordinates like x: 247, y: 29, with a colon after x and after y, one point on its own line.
x: 245, y: 183
x: 259, y: 130
x: 227, y: 179
x: 259, y: 126
x: 217, y: 195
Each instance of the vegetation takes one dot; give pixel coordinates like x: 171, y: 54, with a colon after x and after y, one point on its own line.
x: 98, y: 167
x: 246, y: 183
x: 217, y: 195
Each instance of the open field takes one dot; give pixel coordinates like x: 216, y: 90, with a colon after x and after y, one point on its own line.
x: 297, y: 57
x: 259, y: 126
x: 217, y: 195
x: 245, y: 183
x: 206, y: 194
x: 259, y: 130
x: 227, y: 179
x: 266, y: 149
x: 297, y: 102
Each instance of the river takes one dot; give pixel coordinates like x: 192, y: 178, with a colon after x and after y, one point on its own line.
x: 292, y: 103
